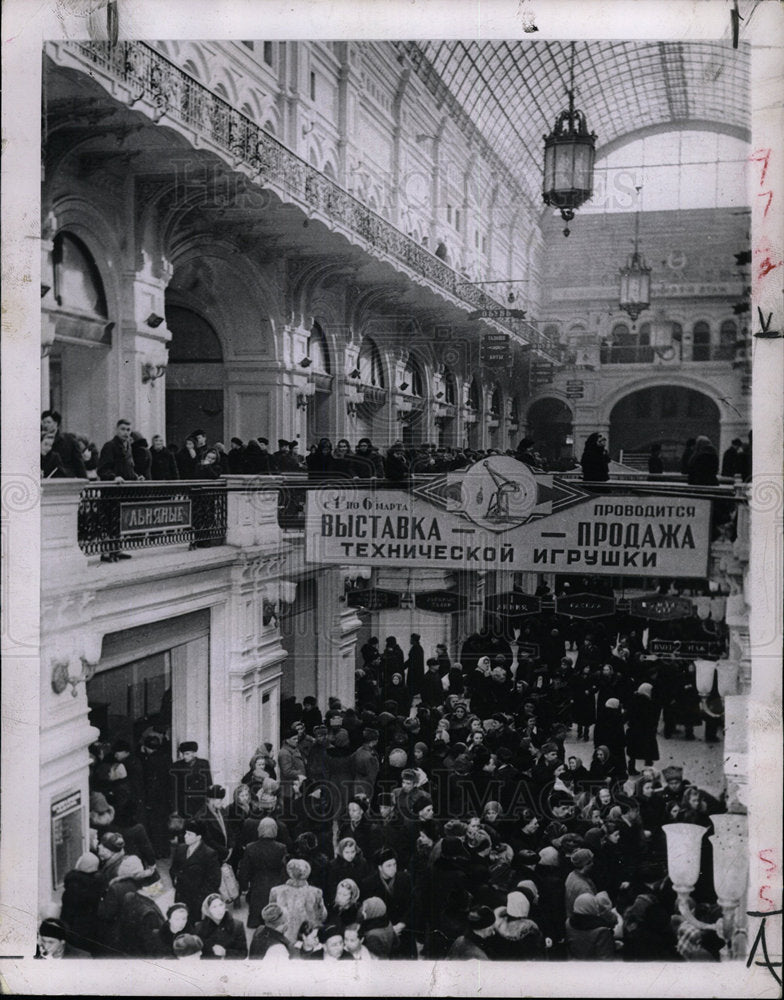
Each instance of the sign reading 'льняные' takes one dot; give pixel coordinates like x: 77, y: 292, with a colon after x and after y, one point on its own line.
x: 154, y: 515
x: 499, y: 515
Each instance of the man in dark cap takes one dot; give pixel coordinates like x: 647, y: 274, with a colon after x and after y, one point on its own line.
x: 191, y: 777
x: 53, y: 941
x: 195, y: 870
x: 366, y: 764
x: 283, y: 458
x: 236, y: 456
x: 156, y: 763
x: 291, y: 765
x: 140, y: 917
x: 216, y: 832
x: 476, y: 940
x: 415, y: 666
x: 395, y: 889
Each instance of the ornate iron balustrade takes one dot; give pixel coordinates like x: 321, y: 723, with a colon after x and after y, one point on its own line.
x: 116, y: 516
x: 174, y: 93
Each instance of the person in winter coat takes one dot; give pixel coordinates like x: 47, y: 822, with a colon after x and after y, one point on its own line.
x: 366, y: 764
x: 261, y: 868
x: 595, y: 460
x: 269, y: 940
x: 187, y: 459
x: 81, y: 896
x: 397, y: 466
x: 307, y: 946
x: 368, y: 464
x: 298, y: 899
x: 321, y: 464
x: 195, y: 870
x: 345, y: 906
x: 642, y: 719
x: 163, y: 464
x: 140, y: 451
x: 53, y: 941
x: 579, y: 880
x: 703, y: 464
x: 357, y: 826
x: 140, y: 917
x: 517, y: 936
x: 177, y: 922
x: 608, y: 732
x: 108, y: 911
x: 216, y: 831
x: 647, y: 932
x: 222, y: 936
x: 583, y: 691
x: 476, y: 941
x: 589, y: 930
x: 348, y: 863
x: 340, y: 772
x: 375, y: 927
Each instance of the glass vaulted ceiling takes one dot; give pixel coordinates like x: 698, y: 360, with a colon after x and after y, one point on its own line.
x: 510, y: 92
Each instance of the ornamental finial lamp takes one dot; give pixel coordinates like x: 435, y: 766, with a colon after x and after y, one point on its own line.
x: 569, y: 152
x: 635, y: 294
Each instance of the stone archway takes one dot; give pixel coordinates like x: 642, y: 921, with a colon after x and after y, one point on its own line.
x: 550, y: 423
x: 666, y: 415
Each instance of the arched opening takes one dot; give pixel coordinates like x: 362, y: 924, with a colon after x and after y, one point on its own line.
x: 701, y: 338
x: 474, y: 404
x: 728, y: 336
x: 549, y: 423
x: 82, y: 336
x: 414, y: 382
x: 494, y: 417
x: 665, y: 415
x: 319, y: 418
x: 371, y: 370
x: 368, y: 419
x: 194, y: 377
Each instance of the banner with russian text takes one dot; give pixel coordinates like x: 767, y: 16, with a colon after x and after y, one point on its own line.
x: 500, y: 515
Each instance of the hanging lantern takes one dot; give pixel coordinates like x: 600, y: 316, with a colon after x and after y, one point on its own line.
x: 635, y: 294
x: 569, y: 152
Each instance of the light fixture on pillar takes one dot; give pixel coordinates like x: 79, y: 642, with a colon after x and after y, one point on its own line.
x: 730, y: 875
x: 88, y: 650
x: 684, y: 844
x: 403, y: 386
x: 304, y: 395
x: 152, y: 372
x: 705, y: 671
x: 354, y: 374
x: 154, y: 320
x: 305, y: 362
x: 635, y: 293
x: 569, y: 152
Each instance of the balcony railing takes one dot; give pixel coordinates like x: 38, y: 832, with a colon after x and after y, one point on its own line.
x: 174, y: 94
x: 116, y: 516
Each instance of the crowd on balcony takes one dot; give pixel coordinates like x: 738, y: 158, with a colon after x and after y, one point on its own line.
x: 440, y: 817
x: 129, y: 457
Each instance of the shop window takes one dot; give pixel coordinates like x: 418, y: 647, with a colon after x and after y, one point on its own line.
x: 193, y: 339
x: 413, y: 376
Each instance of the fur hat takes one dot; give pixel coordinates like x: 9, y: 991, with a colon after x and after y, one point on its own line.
x: 517, y: 906
x: 582, y: 857
x: 272, y: 915
x: 188, y: 745
x: 385, y: 854
x: 130, y: 867
x: 298, y: 869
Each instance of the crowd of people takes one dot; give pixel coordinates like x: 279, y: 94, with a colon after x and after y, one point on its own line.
x: 129, y: 457
x: 440, y: 817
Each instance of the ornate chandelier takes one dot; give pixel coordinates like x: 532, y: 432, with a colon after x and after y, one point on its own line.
x: 635, y: 293
x: 569, y: 152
